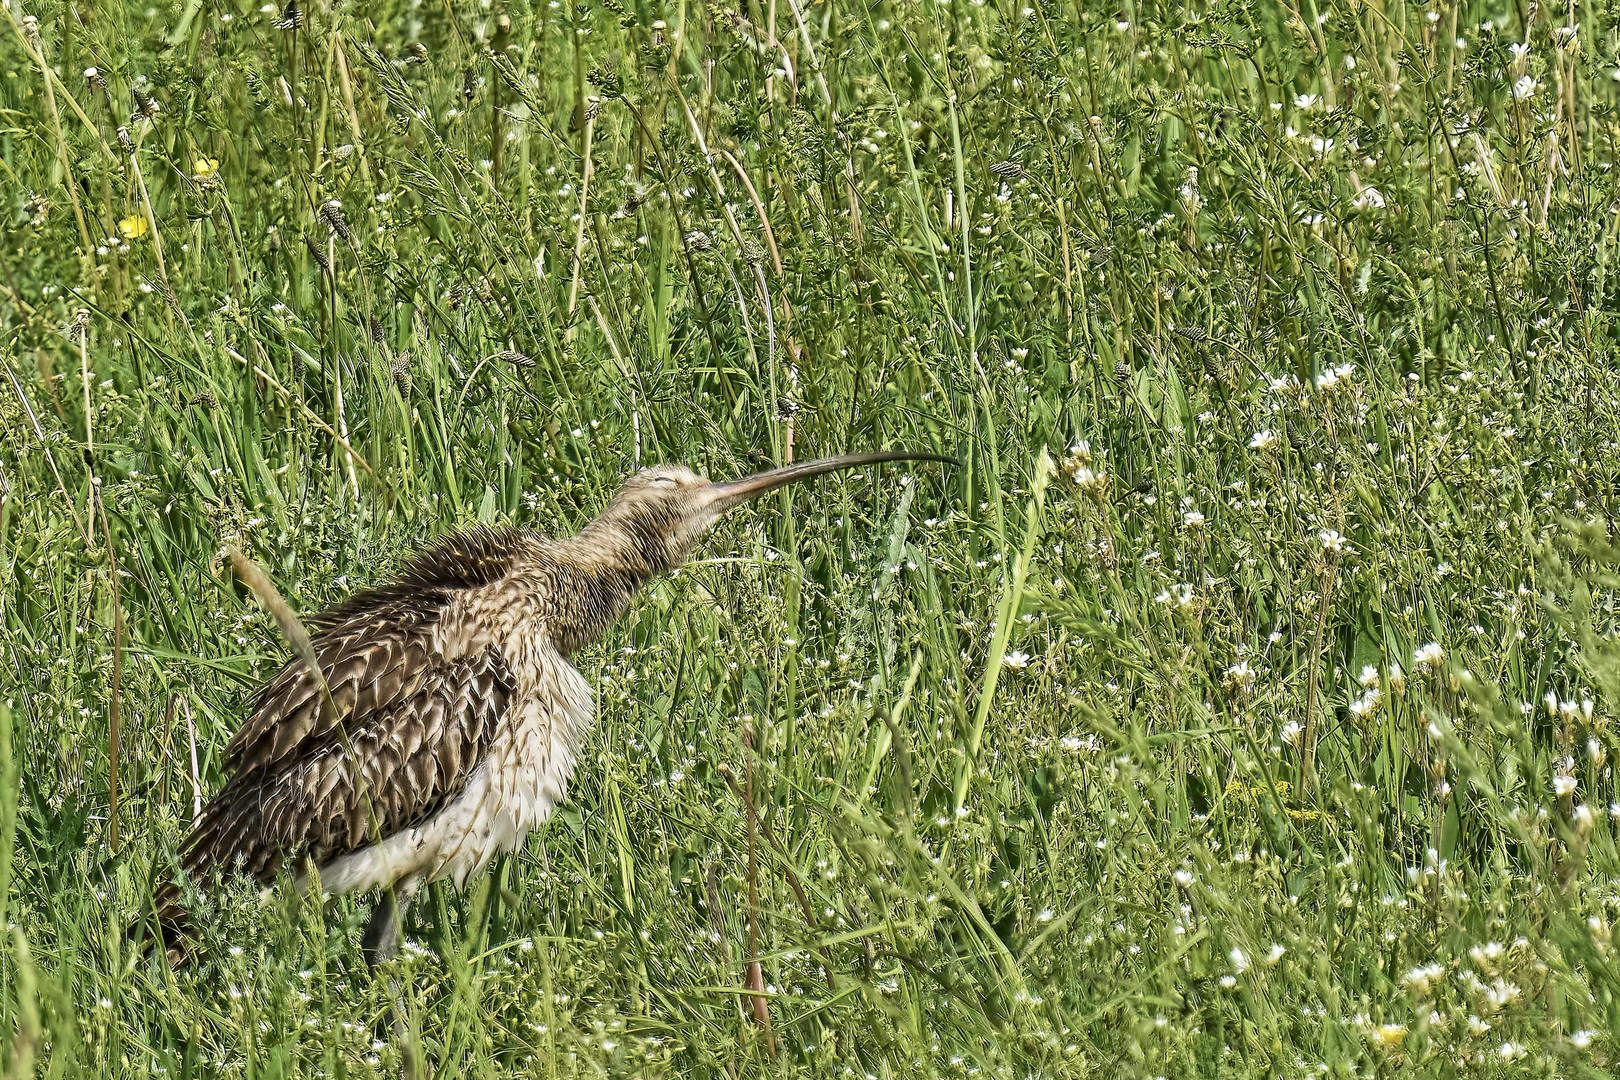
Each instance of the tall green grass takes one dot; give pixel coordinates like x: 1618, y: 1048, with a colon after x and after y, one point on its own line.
x: 1242, y: 705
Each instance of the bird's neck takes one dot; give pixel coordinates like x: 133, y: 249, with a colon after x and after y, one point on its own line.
x: 604, y: 568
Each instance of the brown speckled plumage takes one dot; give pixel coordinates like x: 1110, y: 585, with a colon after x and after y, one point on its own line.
x: 456, y: 716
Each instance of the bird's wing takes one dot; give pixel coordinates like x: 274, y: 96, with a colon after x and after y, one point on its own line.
x: 312, y: 781
x: 375, y: 650
x: 390, y: 769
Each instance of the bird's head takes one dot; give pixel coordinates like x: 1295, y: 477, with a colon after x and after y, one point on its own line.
x: 658, y: 515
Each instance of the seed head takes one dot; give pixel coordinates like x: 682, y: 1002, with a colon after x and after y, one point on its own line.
x: 401, y: 371
x: 515, y: 358
x: 74, y: 329
x: 606, y: 80
x: 332, y: 214
x: 255, y: 85
x: 161, y: 288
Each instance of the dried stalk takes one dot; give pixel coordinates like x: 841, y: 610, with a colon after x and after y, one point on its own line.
x: 756, y: 976
x: 1307, y: 766
x: 792, y: 877
x: 579, y: 235
x: 115, y: 702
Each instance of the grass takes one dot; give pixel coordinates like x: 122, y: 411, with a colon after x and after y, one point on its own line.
x: 1242, y: 705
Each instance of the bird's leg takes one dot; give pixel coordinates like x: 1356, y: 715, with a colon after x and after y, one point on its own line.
x: 386, y: 929
x: 379, y: 944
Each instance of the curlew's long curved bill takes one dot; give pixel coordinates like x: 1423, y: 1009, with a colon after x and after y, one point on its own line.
x: 732, y: 492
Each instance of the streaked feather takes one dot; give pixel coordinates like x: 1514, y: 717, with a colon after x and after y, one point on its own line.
x: 389, y: 769
x: 374, y: 649
x: 409, y: 723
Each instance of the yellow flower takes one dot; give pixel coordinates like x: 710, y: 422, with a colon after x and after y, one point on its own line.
x: 204, y: 168
x: 1389, y: 1035
x: 132, y: 227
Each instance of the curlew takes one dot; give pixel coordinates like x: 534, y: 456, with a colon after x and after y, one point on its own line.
x: 451, y: 718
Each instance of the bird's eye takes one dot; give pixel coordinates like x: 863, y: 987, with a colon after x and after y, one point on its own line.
x: 663, y: 481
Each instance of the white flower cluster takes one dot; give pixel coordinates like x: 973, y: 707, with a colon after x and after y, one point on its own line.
x: 1429, y: 657
x: 1334, y: 378
x: 1085, y: 473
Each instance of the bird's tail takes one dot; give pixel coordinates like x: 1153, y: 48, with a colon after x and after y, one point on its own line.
x: 173, y: 926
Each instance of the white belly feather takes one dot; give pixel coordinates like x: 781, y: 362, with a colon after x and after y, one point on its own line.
x: 523, y: 776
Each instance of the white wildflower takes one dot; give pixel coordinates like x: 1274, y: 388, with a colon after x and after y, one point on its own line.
x: 1092, y: 481
x: 1367, y: 704
x: 1421, y: 980
x: 1370, y: 198
x: 1239, y: 677
x: 1334, y: 377
x: 1190, y: 197
x: 1332, y: 542
x: 1487, y: 955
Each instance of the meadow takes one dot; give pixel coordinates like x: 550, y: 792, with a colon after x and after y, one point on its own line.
x: 1241, y: 703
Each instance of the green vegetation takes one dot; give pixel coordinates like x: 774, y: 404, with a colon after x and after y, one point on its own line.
x: 1241, y: 705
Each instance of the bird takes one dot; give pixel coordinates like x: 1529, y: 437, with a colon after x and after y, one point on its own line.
x: 446, y: 719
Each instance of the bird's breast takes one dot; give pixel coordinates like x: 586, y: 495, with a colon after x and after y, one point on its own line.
x: 537, y: 749
x: 512, y: 791
x: 528, y: 767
